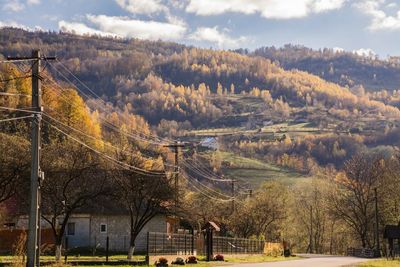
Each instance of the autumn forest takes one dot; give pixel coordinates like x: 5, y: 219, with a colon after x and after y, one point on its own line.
x: 309, y: 136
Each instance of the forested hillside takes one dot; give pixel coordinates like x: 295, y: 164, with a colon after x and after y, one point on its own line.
x: 344, y: 68
x: 113, y: 108
x: 267, y: 112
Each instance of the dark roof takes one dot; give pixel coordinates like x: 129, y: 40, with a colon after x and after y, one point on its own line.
x: 212, y: 225
x: 392, y: 232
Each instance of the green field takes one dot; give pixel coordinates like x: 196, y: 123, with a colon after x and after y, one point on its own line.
x: 253, y: 172
x: 380, y: 263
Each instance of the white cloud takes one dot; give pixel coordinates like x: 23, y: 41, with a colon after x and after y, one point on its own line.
x: 13, y: 24
x: 272, y: 9
x: 365, y: 52
x: 391, y: 5
x: 33, y: 2
x: 380, y: 19
x: 338, y: 50
x: 142, y: 6
x: 178, y: 4
x: 81, y: 29
x: 326, y: 5
x: 13, y: 5
x: 126, y: 27
x: 213, y: 35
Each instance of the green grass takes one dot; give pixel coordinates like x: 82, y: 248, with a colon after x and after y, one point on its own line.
x: 75, y: 258
x: 254, y: 177
x: 201, y: 262
x: 380, y: 263
x: 254, y: 172
x: 259, y: 258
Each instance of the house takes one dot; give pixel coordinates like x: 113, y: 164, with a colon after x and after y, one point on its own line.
x: 210, y: 143
x: 90, y: 230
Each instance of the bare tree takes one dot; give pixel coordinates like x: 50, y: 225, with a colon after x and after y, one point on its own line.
x: 74, y: 178
x: 14, y: 165
x: 144, y: 197
x: 311, y: 213
x: 353, y: 199
x: 259, y: 215
x: 389, y: 192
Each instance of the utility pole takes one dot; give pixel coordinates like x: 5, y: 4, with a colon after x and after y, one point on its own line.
x: 176, y: 147
x: 250, y: 193
x: 377, y: 223
x: 233, y: 194
x: 34, y: 217
x: 311, y: 229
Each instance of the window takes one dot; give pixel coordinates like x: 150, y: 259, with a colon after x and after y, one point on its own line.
x: 71, y: 229
x: 103, y: 228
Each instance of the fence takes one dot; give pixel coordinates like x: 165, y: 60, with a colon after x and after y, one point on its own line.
x: 362, y: 252
x: 9, y: 238
x: 187, y: 244
x: 171, y: 244
x: 226, y: 245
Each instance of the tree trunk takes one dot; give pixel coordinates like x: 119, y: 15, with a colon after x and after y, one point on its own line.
x: 131, y: 251
x: 58, y: 252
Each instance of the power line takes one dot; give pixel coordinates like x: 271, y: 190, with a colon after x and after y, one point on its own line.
x: 209, y: 188
x: 203, y: 174
x: 120, y: 163
x: 17, y: 118
x: 112, y: 126
x: 193, y: 169
x: 92, y: 137
x: 12, y: 94
x: 158, y: 140
x: 18, y: 109
x: 205, y: 194
x: 212, y: 197
x: 15, y: 78
x: 109, y: 125
x: 16, y: 60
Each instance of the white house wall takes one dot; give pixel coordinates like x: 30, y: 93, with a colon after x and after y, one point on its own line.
x: 87, y: 231
x: 118, y: 231
x: 81, y: 238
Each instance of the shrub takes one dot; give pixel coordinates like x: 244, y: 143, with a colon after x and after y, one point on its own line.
x: 191, y: 260
x: 286, y: 253
x: 219, y: 257
x: 162, y: 261
x: 179, y: 261
x: 19, y: 251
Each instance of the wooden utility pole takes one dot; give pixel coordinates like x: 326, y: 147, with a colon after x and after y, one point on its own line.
x: 378, y: 247
x: 250, y: 193
x: 311, y: 229
x: 233, y: 194
x: 33, y: 244
x: 176, y: 147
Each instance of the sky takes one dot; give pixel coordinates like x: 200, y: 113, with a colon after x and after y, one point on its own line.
x: 362, y: 26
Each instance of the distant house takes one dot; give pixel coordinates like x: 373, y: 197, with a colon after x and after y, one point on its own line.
x: 90, y: 230
x: 210, y: 143
x: 268, y: 123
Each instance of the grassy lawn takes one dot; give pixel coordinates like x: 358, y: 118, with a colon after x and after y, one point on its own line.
x: 201, y: 262
x: 136, y: 258
x: 380, y: 263
x: 260, y: 258
x: 254, y: 172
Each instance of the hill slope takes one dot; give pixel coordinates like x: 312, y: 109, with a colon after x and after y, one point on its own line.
x: 291, y: 118
x: 344, y: 68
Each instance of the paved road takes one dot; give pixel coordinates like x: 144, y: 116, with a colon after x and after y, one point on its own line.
x: 310, y: 261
